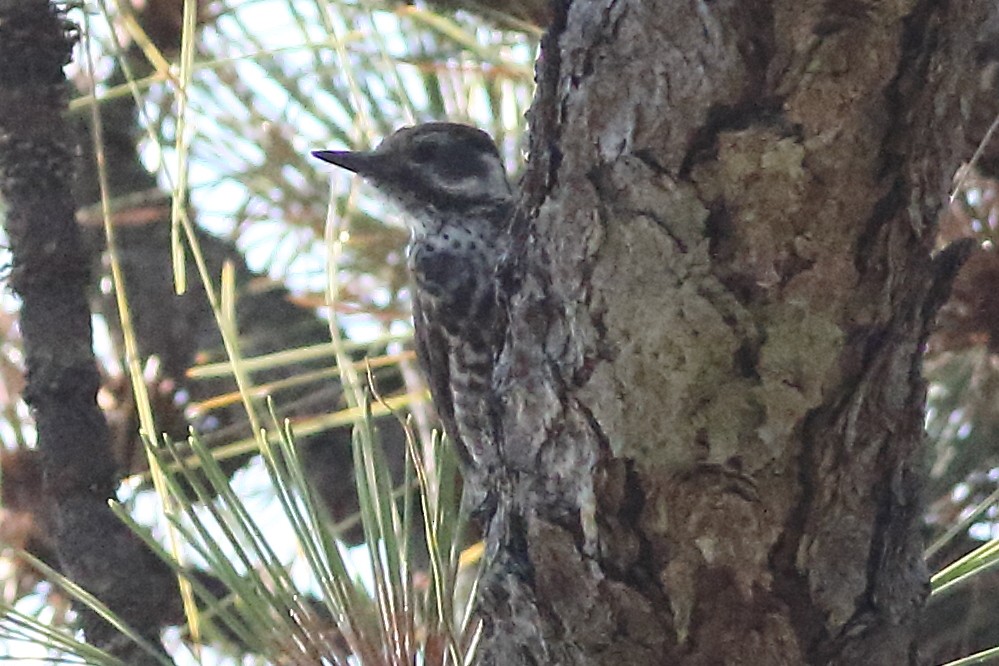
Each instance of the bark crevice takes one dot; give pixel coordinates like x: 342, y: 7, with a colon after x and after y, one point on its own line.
x: 733, y: 250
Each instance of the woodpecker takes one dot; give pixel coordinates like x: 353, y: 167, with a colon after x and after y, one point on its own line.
x: 449, y: 181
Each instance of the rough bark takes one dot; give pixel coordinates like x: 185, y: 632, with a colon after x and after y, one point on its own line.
x: 722, y: 282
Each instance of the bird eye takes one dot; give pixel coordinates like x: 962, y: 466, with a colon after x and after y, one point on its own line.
x: 424, y: 152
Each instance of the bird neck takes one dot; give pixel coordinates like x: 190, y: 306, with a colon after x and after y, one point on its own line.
x: 476, y: 228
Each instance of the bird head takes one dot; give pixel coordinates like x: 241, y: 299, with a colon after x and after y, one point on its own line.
x: 432, y: 170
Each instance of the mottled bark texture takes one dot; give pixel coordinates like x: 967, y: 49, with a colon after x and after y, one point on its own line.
x: 51, y: 273
x: 711, y: 399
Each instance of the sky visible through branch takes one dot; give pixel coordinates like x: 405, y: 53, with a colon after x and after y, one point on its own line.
x: 275, y: 79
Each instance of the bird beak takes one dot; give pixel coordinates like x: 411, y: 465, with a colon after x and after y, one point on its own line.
x: 365, y: 164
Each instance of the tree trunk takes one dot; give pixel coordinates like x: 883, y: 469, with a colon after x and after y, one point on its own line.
x: 711, y: 399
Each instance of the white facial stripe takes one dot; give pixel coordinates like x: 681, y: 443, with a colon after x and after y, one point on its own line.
x: 493, y: 186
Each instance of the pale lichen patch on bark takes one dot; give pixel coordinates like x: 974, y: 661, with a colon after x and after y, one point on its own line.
x: 794, y: 365
x: 668, y: 324
x: 758, y: 174
x: 666, y: 339
x: 716, y: 238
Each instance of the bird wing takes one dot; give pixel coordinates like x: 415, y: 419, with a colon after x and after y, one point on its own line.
x: 433, y: 352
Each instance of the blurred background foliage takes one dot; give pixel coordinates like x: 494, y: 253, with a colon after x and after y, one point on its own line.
x: 208, y: 112
x: 961, y: 366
